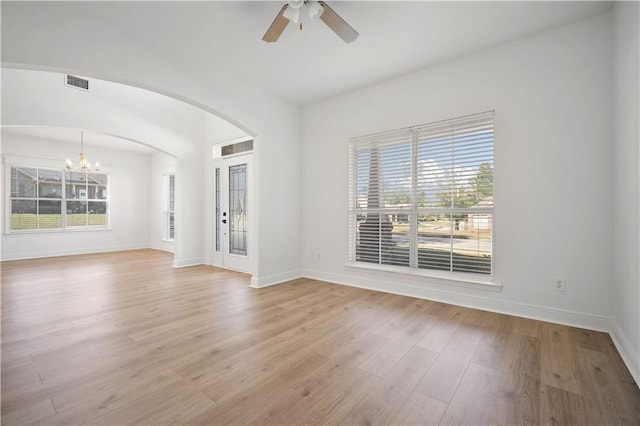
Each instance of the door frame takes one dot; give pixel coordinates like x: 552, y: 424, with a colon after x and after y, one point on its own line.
x: 222, y: 258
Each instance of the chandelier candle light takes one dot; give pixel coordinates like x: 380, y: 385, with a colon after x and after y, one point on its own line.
x: 83, y: 165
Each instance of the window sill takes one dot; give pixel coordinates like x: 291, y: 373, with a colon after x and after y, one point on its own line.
x: 54, y: 231
x: 459, y: 279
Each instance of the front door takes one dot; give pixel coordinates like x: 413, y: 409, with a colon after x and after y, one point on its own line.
x: 232, y: 210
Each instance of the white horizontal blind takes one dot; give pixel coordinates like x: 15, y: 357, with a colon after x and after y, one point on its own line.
x: 422, y: 197
x: 171, y: 228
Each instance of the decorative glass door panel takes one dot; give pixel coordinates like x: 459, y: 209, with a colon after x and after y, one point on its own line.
x: 238, y: 209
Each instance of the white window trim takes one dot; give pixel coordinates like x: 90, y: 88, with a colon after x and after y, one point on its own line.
x: 459, y: 279
x: 462, y: 279
x: 10, y: 162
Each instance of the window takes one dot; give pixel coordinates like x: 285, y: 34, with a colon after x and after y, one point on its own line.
x: 86, y: 199
x: 171, y: 207
x: 236, y: 148
x: 422, y: 197
x: 52, y: 199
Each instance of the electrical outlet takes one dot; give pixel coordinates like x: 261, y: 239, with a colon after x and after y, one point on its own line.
x: 559, y: 284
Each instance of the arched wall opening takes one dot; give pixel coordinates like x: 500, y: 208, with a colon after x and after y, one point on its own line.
x: 275, y: 124
x: 142, y: 137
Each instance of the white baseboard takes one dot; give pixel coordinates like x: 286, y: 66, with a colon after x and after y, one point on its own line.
x: 160, y: 247
x: 629, y: 354
x: 260, y: 282
x: 183, y: 263
x: 542, y: 313
x: 70, y: 252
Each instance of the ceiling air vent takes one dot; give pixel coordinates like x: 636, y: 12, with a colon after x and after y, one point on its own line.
x: 77, y: 82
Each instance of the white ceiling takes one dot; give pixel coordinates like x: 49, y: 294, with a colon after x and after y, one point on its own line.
x: 396, y: 37
x: 217, y: 37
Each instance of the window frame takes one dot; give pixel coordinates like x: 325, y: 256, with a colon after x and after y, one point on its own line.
x: 403, y: 137
x: 38, y: 165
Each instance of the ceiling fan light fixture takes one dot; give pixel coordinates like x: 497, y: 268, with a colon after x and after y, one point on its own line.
x: 292, y: 14
x: 296, y: 4
x: 314, y: 9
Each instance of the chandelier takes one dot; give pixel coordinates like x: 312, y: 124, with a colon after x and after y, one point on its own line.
x: 83, y: 165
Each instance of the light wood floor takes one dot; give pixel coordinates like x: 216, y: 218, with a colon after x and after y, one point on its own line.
x: 125, y: 339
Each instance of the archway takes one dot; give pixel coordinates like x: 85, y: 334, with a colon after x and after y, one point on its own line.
x: 117, y: 112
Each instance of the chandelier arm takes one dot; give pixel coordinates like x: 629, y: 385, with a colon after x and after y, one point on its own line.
x: 83, y: 166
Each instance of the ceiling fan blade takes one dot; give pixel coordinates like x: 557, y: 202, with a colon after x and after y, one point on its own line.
x: 337, y: 24
x: 277, y: 26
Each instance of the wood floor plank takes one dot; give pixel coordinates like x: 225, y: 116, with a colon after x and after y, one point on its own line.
x: 558, y: 364
x: 322, y: 396
x: 70, y: 336
x: 475, y: 398
x: 16, y: 398
x: 10, y: 331
x: 137, y: 341
x: 34, y: 414
x: 93, y: 360
x: 86, y: 384
x: 420, y: 410
x: 451, y: 318
x: 380, y: 405
x: 267, y: 392
x: 526, y: 327
x: 442, y: 379
x: 96, y: 400
x: 15, y: 353
x: 561, y: 407
x: 397, y: 323
x: 289, y: 371
x: 491, y: 351
x: 25, y: 374
x: 518, y: 382
x: 401, y: 343
x: 493, y: 345
x: 598, y: 376
x: 168, y: 405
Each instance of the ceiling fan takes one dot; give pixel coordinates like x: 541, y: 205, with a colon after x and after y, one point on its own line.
x: 294, y: 10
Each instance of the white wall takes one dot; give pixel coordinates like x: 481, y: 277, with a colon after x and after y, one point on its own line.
x: 161, y: 166
x: 626, y: 142
x: 29, y: 41
x: 552, y: 98
x: 128, y: 210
